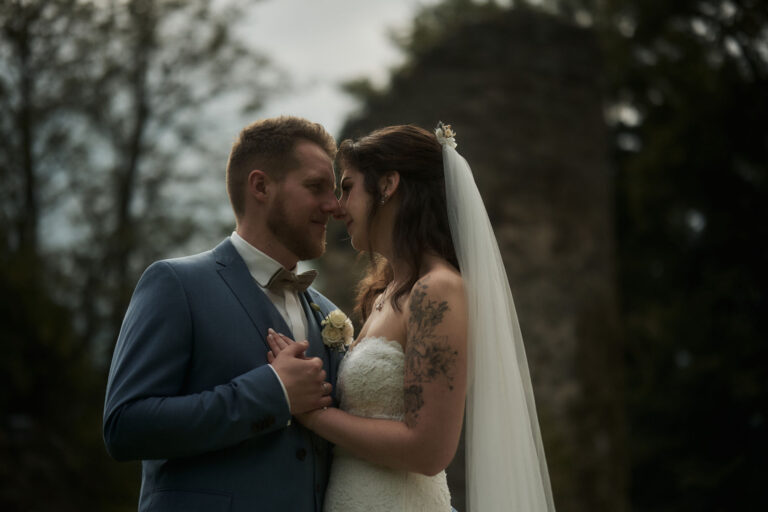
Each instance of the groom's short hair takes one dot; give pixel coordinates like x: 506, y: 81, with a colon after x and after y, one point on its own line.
x: 268, y: 145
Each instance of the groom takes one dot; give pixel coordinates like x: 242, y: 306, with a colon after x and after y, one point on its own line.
x: 190, y: 392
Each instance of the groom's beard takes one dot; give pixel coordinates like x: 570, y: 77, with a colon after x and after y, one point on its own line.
x: 295, y: 235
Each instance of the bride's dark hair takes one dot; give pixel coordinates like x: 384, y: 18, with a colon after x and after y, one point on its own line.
x: 421, y: 222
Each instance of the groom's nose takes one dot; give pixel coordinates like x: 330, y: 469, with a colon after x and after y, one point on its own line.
x: 331, y: 205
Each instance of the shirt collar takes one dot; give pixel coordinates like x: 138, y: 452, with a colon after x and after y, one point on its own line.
x: 261, y: 266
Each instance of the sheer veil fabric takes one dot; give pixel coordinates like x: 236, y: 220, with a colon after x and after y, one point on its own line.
x: 506, y: 467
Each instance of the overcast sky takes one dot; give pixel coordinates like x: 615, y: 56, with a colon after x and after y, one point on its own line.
x: 322, y: 43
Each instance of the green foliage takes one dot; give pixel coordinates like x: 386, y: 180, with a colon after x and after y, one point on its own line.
x: 692, y: 199
x: 51, y: 452
x: 434, y: 24
x: 102, y: 136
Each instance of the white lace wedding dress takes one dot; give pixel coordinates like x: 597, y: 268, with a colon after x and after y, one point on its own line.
x: 370, y: 384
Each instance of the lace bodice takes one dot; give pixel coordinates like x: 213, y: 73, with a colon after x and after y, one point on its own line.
x: 370, y: 384
x: 371, y: 378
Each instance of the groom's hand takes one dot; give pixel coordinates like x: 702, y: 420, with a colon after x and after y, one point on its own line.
x: 304, y: 379
x: 277, y: 342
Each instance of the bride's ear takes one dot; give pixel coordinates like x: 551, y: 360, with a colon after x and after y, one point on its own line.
x: 388, y: 184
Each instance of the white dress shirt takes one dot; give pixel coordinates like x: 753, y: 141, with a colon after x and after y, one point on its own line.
x: 287, y: 302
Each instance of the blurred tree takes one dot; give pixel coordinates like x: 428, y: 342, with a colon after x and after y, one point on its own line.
x: 105, y: 157
x: 689, y: 87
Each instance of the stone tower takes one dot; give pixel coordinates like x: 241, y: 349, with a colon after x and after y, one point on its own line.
x: 522, y: 90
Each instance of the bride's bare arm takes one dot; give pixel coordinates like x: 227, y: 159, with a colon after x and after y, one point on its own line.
x: 434, y: 387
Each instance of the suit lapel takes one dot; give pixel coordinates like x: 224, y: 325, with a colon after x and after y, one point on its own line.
x: 257, y: 305
x: 316, y: 345
x: 331, y: 358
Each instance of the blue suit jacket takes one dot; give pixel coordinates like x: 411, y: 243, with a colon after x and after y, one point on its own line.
x: 190, y: 393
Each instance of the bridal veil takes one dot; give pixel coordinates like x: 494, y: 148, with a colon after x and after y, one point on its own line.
x: 506, y: 467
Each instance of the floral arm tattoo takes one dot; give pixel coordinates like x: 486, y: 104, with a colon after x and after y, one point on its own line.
x: 429, y: 358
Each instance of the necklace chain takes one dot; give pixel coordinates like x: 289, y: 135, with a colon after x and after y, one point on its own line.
x: 379, y: 304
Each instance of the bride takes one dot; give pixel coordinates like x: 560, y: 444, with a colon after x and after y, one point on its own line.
x: 439, y: 330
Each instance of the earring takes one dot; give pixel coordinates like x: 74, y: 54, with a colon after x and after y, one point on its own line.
x: 383, y: 201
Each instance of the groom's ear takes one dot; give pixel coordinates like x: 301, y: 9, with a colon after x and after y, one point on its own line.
x: 388, y: 183
x: 257, y: 185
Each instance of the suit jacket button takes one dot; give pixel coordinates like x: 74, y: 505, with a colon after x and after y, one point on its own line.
x: 301, y: 454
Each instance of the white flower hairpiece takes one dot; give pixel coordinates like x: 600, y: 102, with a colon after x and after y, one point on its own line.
x: 445, y: 135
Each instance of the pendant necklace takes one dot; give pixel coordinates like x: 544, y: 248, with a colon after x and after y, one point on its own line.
x: 379, y: 304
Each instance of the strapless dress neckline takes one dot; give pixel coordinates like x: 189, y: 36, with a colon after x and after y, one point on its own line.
x: 383, y: 339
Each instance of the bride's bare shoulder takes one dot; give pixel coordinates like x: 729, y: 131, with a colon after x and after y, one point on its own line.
x: 436, y: 309
x: 441, y: 281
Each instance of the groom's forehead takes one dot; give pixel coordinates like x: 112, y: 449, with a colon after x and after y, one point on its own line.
x: 315, y: 173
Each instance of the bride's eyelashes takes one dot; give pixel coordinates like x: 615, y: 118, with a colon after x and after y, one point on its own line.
x: 346, y: 186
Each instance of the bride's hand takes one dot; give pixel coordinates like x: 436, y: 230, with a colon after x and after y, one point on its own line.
x: 277, y: 342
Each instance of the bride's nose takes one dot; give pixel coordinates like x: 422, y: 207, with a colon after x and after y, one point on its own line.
x: 340, y: 212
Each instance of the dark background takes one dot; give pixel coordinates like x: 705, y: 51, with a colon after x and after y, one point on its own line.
x: 621, y: 148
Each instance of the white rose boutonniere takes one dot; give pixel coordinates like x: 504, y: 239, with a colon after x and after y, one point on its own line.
x: 338, y: 331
